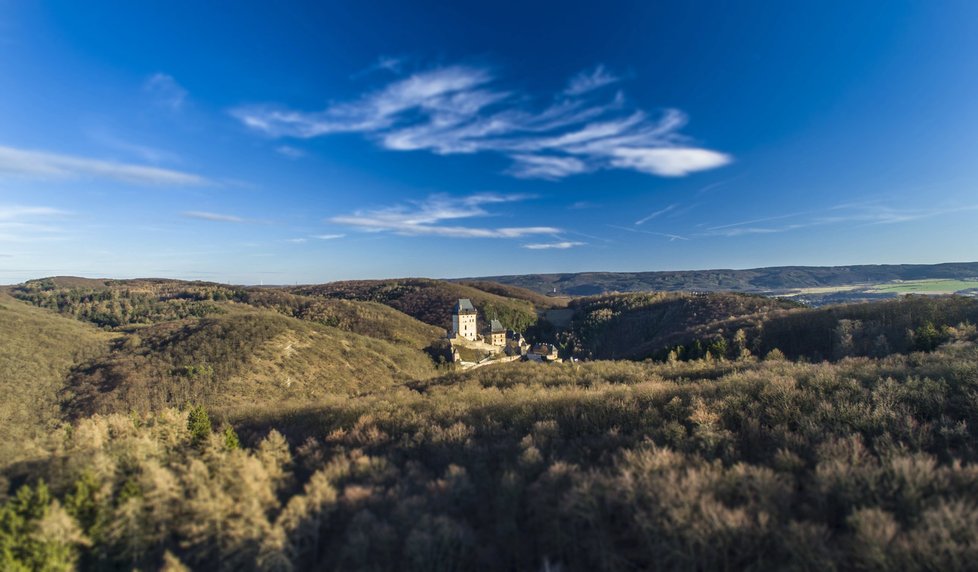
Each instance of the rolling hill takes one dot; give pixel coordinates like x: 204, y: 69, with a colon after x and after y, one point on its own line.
x: 126, y: 303
x: 242, y: 358
x: 37, y: 350
x: 430, y: 301
x: 643, y: 325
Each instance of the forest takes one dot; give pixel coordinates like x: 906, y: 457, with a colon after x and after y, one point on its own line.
x: 799, y: 442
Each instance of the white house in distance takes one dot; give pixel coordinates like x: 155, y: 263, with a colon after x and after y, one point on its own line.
x: 464, y: 320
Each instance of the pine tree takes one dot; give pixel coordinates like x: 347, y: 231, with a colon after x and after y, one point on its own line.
x: 199, y: 424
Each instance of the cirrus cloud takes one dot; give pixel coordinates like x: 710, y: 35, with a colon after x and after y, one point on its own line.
x: 463, y: 110
x: 42, y: 165
x: 426, y: 217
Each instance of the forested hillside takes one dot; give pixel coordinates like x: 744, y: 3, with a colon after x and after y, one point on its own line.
x: 179, y: 425
x: 777, y: 278
x: 431, y: 301
x: 862, y: 464
x: 726, y: 325
x: 38, y: 349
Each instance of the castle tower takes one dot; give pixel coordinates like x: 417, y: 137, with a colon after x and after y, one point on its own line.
x: 463, y: 320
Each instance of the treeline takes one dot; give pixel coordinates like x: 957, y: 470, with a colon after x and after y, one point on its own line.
x: 125, y: 304
x: 770, y: 465
x: 117, y: 304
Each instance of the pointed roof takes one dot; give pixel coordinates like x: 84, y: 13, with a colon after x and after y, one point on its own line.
x: 464, y: 305
x: 496, y: 326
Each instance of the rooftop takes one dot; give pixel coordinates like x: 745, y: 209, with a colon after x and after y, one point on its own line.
x: 464, y: 305
x: 496, y: 326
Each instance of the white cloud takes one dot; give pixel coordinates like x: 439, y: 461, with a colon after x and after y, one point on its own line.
x: 214, y: 217
x: 656, y: 214
x: 668, y: 162
x: 41, y: 165
x: 166, y: 91
x: 546, y: 167
x: 425, y: 218
x: 590, y: 80
x: 20, y: 223
x: 460, y: 109
x: 563, y: 245
x: 290, y: 152
x: 297, y: 240
x: 328, y: 236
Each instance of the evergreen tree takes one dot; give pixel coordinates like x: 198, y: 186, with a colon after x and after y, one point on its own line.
x: 199, y: 424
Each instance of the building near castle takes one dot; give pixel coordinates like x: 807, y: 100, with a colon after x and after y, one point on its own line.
x: 497, y: 333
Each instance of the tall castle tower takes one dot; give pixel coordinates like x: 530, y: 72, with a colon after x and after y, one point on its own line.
x: 463, y: 320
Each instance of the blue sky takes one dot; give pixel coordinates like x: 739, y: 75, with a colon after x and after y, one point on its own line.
x: 323, y: 141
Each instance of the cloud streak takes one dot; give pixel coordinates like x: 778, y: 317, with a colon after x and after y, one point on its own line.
x: 860, y: 215
x: 463, y: 110
x: 656, y: 214
x: 21, y: 223
x: 563, y: 245
x: 166, y: 91
x: 426, y: 218
x: 214, y: 217
x: 53, y: 166
x: 586, y: 81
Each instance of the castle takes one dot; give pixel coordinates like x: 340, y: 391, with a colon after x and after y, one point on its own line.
x: 465, y: 325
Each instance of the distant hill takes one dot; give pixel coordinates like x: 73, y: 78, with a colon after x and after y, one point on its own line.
x: 431, y: 301
x: 756, y: 280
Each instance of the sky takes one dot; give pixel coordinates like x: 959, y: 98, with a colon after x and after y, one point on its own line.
x: 280, y: 143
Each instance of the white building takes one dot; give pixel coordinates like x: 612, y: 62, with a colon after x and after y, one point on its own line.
x: 464, y: 320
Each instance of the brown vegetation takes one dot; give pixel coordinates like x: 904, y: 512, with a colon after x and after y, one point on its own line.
x: 430, y: 301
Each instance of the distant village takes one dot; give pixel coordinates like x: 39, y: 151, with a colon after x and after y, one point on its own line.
x: 492, y: 340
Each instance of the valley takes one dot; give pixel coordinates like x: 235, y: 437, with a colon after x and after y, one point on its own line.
x: 165, y: 422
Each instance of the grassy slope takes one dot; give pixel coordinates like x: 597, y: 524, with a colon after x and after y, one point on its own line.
x: 241, y: 358
x: 430, y: 301
x: 37, y: 348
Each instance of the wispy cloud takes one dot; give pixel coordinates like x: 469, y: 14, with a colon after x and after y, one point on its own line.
x: 426, y: 218
x: 853, y: 214
x: 110, y: 140
x: 392, y: 64
x: 563, y: 245
x: 165, y: 91
x: 22, y: 223
x: 290, y: 152
x: 656, y: 214
x: 214, y: 217
x: 297, y: 240
x: 41, y: 165
x: 590, y: 80
x: 461, y: 109
x: 670, y: 236
x: 328, y: 236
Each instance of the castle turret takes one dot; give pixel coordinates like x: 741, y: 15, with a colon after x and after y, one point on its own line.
x: 464, y: 320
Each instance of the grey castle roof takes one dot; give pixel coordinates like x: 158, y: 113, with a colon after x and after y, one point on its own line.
x: 464, y: 305
x: 495, y: 326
